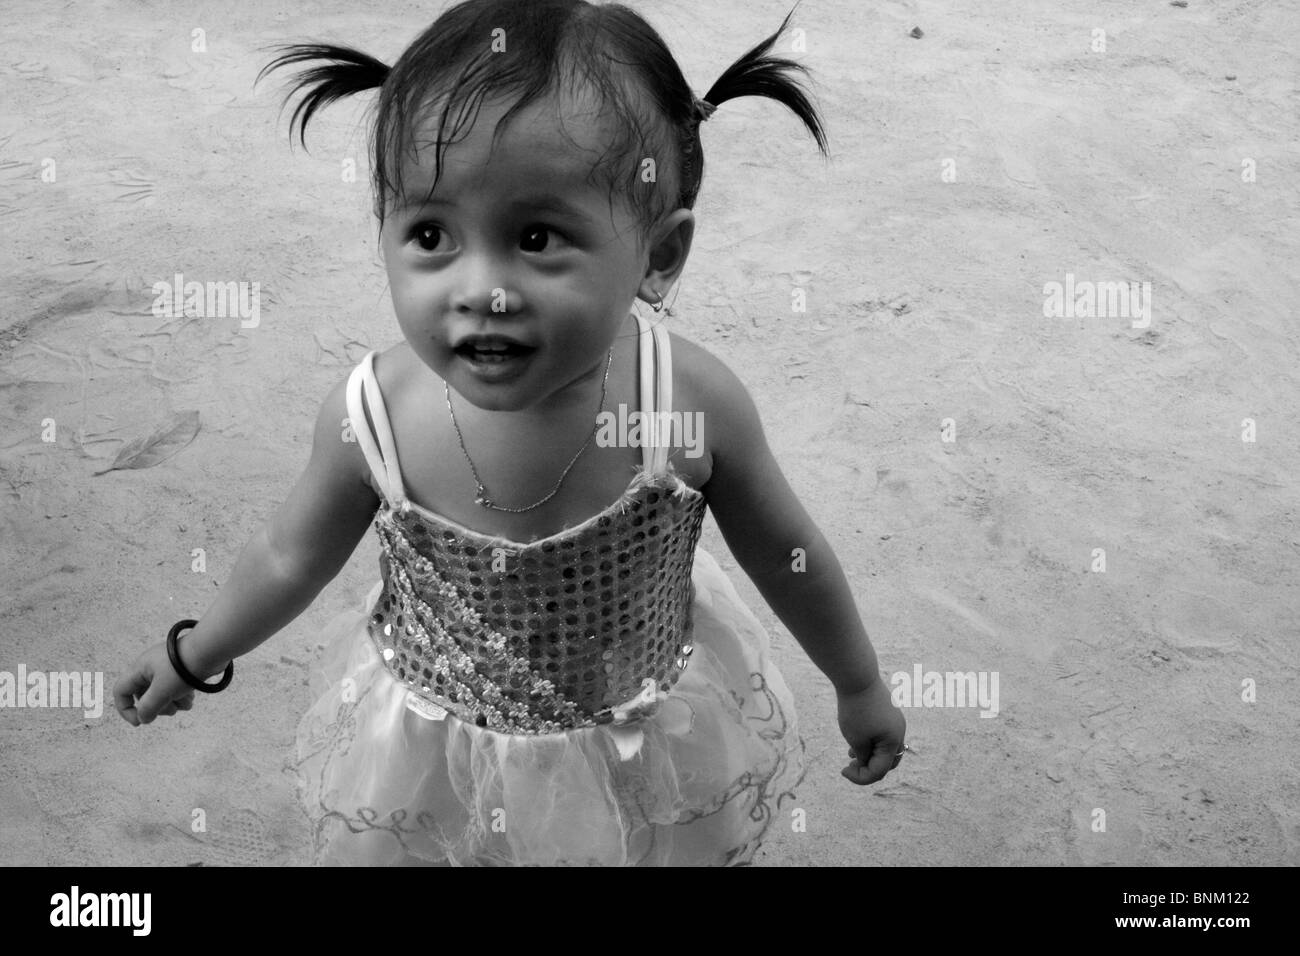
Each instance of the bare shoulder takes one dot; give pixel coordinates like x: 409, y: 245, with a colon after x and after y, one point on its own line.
x: 703, y: 381
x: 408, y: 388
x: 728, y: 420
x: 390, y: 368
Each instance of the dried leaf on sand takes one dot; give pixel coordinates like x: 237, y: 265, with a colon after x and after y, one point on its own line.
x: 167, y: 439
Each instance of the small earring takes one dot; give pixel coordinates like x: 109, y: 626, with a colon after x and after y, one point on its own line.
x: 659, y: 306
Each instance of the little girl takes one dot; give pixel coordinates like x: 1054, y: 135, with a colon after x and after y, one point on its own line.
x: 549, y: 671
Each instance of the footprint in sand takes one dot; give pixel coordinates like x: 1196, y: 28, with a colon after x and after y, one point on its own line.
x: 1197, y: 625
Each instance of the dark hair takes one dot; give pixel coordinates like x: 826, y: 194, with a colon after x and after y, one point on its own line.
x: 607, y: 49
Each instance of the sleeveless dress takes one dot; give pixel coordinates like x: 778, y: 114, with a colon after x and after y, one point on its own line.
x: 600, y: 696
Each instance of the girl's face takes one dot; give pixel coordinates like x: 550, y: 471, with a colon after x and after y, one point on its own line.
x: 512, y: 280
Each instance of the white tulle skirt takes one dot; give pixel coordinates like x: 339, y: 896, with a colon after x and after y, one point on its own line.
x: 385, y: 784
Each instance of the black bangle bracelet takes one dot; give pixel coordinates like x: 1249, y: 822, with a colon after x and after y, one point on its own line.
x: 174, y: 656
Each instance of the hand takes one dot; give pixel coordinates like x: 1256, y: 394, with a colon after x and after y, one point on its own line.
x: 160, y: 689
x: 874, y: 728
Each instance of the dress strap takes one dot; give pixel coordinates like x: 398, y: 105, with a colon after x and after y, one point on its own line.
x: 656, y: 376
x: 382, y: 458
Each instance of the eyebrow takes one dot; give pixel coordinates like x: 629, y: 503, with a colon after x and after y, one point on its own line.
x: 542, y: 202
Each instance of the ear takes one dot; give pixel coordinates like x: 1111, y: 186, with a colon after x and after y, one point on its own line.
x: 669, y: 248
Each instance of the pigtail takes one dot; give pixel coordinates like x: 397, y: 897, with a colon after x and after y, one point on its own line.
x: 758, y: 74
x: 347, y: 72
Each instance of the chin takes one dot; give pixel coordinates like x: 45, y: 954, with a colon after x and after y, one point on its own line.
x: 508, y: 387
x: 505, y: 397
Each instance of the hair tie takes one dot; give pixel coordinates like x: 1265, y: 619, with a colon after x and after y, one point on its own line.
x: 703, y: 109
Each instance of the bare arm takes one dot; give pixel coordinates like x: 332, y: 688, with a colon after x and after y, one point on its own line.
x: 295, y: 554
x: 763, y: 523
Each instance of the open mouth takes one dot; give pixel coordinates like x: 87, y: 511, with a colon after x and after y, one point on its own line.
x: 494, y: 358
x: 493, y: 353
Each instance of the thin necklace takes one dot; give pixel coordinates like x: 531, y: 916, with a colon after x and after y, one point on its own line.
x: 482, y: 497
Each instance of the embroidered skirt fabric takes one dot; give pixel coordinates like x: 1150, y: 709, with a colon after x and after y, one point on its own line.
x: 386, y: 781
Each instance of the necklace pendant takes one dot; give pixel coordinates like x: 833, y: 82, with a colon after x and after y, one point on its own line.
x: 482, y: 499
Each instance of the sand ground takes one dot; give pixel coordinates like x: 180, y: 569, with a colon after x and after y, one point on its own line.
x: 1120, y: 691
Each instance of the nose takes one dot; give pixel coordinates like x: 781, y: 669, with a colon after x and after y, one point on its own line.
x: 482, y: 287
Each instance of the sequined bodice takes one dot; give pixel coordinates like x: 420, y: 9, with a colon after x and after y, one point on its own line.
x: 544, y: 637
x: 548, y: 636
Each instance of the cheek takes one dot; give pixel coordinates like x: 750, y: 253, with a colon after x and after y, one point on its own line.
x: 583, y: 342
x: 402, y: 304
x: 409, y: 291
x: 413, y: 314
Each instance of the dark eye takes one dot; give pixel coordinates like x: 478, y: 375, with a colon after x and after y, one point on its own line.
x: 535, y: 238
x: 428, y: 236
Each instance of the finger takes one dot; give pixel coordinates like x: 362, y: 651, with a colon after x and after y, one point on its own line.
x: 855, y: 772
x: 151, y: 704
x: 884, y: 759
x: 184, y: 703
x: 858, y: 772
x: 867, y: 772
x: 169, y: 710
x: 124, y: 694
